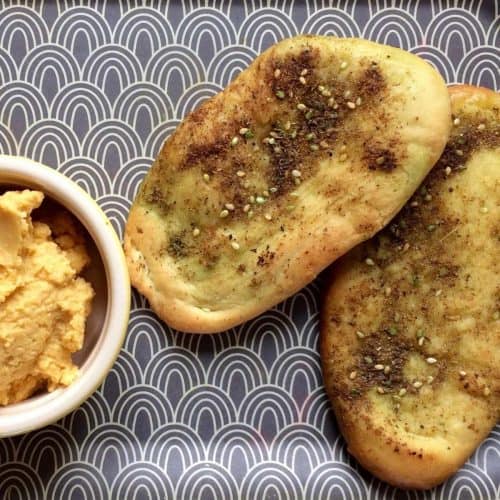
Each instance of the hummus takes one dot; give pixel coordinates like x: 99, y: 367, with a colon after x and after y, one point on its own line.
x: 43, y: 302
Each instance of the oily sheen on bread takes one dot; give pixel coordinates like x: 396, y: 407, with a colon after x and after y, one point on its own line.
x: 410, y: 325
x: 308, y: 152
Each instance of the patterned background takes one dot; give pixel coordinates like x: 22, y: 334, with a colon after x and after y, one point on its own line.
x: 93, y: 89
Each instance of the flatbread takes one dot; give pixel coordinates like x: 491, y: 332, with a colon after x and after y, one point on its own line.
x: 410, y: 330
x: 310, y: 151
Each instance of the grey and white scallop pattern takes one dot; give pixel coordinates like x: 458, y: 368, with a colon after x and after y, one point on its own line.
x: 94, y: 91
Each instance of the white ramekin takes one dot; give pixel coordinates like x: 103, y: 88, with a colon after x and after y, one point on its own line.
x: 46, y: 408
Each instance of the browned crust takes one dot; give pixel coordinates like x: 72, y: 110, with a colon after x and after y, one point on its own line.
x: 309, y: 248
x: 405, y: 467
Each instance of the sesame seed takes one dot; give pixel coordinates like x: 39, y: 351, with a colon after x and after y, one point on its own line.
x: 438, y: 293
x: 224, y: 214
x: 343, y: 65
x: 265, y: 193
x: 360, y: 334
x: 406, y: 247
x: 229, y: 206
x: 268, y: 217
x: 414, y: 204
x: 358, y: 101
x: 380, y: 390
x: 277, y: 150
x: 277, y: 73
x: 297, y: 181
x: 260, y: 200
x: 481, y: 126
x: 326, y: 93
x: 343, y: 148
x: 335, y: 106
x: 368, y: 360
x: 347, y: 94
x: 447, y: 171
x: 380, y: 160
x: 196, y: 232
x: 331, y: 101
x: 301, y: 107
x: 378, y: 367
x: 459, y: 152
x: 206, y: 309
x: 388, y: 290
x: 235, y: 245
x: 417, y: 384
x: 310, y: 136
x: 402, y: 392
x: 309, y: 115
x: 431, y: 227
x: 369, y: 262
x: 250, y: 214
x: 293, y: 135
x: 321, y: 88
x: 431, y: 360
x: 280, y: 94
x: 421, y: 341
x: 246, y: 208
x: 324, y: 144
x: 287, y: 125
x: 251, y: 199
x: 428, y: 197
x: 487, y: 391
x: 343, y: 157
x: 296, y: 173
x: 430, y: 379
x: 304, y: 72
x: 314, y: 147
x: 456, y: 121
x: 234, y: 141
x: 243, y: 130
x: 352, y: 375
x: 484, y: 210
x: 273, y: 189
x: 462, y: 373
x: 271, y: 141
x: 302, y: 80
x: 290, y: 208
x: 240, y: 173
x: 387, y: 369
x: 206, y: 177
x: 351, y: 105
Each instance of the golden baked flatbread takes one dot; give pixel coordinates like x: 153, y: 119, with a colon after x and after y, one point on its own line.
x: 308, y: 152
x: 410, y: 324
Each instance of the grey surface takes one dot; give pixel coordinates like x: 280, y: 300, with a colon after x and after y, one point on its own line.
x: 93, y: 91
